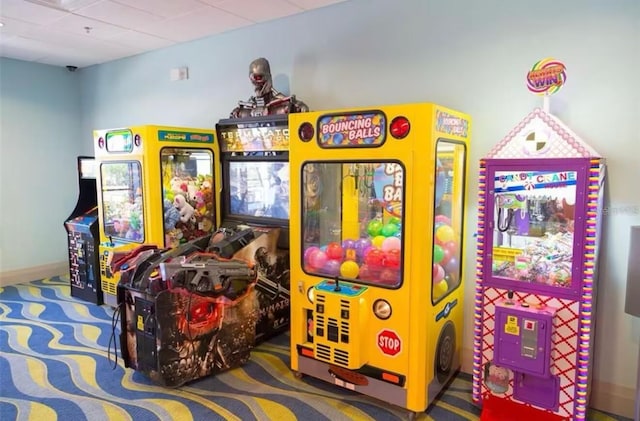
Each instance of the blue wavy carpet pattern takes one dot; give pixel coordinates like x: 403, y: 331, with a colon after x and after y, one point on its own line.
x: 57, y: 363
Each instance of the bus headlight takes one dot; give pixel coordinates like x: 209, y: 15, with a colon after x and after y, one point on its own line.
x: 310, y: 295
x: 382, y: 309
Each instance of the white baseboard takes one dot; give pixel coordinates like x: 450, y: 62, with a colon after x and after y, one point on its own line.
x: 21, y: 276
x: 607, y: 397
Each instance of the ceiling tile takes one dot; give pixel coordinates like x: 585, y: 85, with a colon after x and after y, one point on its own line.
x: 30, y: 12
x: 164, y: 8
x: 118, y: 14
x: 15, y: 27
x: 198, y: 24
x: 142, y: 41
x: 314, y: 4
x: 259, y: 10
x: 76, y: 24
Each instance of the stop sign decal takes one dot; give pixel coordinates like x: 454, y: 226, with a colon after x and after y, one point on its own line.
x: 389, y: 342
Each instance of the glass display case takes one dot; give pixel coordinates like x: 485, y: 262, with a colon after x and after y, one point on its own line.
x: 121, y: 190
x: 533, y: 218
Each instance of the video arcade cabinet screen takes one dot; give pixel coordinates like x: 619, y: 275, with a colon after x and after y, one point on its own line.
x: 87, y: 168
x: 258, y: 189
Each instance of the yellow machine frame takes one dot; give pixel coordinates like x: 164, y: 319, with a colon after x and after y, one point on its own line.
x: 144, y: 147
x: 426, y: 331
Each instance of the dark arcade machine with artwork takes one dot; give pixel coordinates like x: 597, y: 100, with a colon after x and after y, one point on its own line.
x: 254, y: 144
x: 83, y: 236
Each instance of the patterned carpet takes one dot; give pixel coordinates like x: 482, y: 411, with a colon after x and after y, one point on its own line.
x: 56, y: 363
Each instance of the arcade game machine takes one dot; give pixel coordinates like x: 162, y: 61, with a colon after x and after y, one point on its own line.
x: 157, y: 186
x: 254, y: 145
x: 255, y: 193
x: 83, y: 236
x: 541, y: 191
x: 377, y: 299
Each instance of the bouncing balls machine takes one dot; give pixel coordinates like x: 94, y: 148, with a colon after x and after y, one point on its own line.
x: 377, y: 212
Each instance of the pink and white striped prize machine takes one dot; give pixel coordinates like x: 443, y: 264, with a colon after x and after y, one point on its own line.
x: 541, y: 192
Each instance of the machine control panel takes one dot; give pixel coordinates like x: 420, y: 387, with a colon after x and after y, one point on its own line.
x: 523, y: 337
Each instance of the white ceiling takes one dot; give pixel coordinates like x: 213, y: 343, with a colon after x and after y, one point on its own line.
x: 85, y: 32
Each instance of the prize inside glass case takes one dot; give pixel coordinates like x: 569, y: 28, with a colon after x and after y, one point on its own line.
x: 122, y: 200
x: 188, y: 197
x: 352, y: 221
x: 533, y: 233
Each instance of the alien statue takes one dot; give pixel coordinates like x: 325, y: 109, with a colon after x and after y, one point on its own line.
x: 267, y: 100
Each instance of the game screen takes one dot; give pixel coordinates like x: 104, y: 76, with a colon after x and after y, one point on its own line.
x: 352, y: 220
x: 187, y: 194
x: 533, y: 226
x: 258, y: 189
x: 122, y: 200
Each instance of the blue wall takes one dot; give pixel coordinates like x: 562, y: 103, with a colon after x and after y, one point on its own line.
x: 468, y: 55
x: 40, y: 137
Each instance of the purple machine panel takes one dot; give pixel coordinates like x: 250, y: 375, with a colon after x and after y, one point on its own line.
x: 523, y: 344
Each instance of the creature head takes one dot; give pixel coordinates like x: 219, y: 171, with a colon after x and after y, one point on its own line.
x: 260, y: 76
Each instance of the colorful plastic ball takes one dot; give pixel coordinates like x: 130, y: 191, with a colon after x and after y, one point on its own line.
x: 452, y: 246
x: 308, y: 252
x: 452, y: 266
x: 391, y: 243
x: 438, y: 253
x: 334, y: 251
x: 389, y: 230
x: 361, y: 245
x: 438, y: 273
x: 349, y: 269
x: 318, y: 259
x: 374, y: 228
x: 374, y: 257
x: 389, y: 276
x: 366, y: 274
x: 378, y: 240
x: 440, y: 289
x: 348, y: 244
x: 392, y: 258
x: 443, y: 219
x: 445, y: 233
x: 394, y: 220
x: 332, y: 267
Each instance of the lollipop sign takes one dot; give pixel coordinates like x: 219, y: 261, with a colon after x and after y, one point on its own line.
x: 546, y: 77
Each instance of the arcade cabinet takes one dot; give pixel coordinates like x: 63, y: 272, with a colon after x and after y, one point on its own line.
x: 377, y: 223
x: 255, y: 193
x: 254, y: 143
x: 540, y: 201
x: 83, y: 236
x: 158, y: 186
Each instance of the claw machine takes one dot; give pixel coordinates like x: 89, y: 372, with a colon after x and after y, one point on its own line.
x: 157, y: 186
x: 540, y: 200
x: 377, y: 228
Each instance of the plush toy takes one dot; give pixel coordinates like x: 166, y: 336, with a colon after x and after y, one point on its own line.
x: 185, y: 209
x: 171, y: 215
